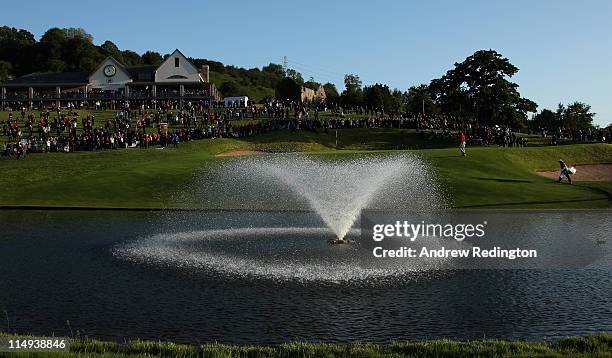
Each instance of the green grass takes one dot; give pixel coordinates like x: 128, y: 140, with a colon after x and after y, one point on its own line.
x: 255, y: 93
x: 506, y: 178
x: 590, y: 346
x: 120, y: 178
x: 489, y: 177
x: 353, y: 139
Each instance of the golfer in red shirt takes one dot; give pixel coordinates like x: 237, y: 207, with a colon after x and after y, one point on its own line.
x: 462, y: 143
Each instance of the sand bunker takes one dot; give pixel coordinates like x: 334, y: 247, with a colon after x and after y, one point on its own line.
x: 596, y: 172
x: 235, y: 153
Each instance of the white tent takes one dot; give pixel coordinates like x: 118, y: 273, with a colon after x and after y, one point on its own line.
x: 240, y: 101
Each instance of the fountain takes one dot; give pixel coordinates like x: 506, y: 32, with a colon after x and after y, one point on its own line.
x: 336, y: 189
x: 279, y: 199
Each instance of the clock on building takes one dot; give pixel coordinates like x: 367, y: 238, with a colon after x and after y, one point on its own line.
x: 110, y: 70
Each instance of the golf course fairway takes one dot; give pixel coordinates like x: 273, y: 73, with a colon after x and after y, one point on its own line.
x: 489, y: 177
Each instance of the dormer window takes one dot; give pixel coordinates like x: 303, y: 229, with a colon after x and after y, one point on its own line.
x: 176, y: 62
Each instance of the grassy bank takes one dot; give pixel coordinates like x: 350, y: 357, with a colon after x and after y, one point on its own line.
x: 489, y: 177
x: 591, y: 346
x: 506, y: 177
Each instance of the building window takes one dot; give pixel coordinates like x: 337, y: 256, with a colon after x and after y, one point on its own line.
x: 176, y: 62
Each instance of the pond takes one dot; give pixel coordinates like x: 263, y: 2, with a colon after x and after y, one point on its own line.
x: 103, y: 274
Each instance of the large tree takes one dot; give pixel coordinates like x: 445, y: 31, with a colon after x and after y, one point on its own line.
x: 108, y: 48
x: 295, y: 75
x: 418, y: 99
x: 331, y: 93
x: 152, y: 58
x: 17, y: 48
x: 72, y: 32
x: 131, y: 58
x: 50, y: 50
x: 353, y: 93
x: 6, y: 71
x: 480, y: 86
x: 575, y: 115
x: 79, y: 54
x: 275, y: 69
x: 377, y: 97
x: 288, y: 89
x: 396, y: 102
x: 545, y: 119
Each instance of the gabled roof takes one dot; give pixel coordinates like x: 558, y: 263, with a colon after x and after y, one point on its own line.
x: 172, y: 54
x: 179, y: 51
x: 51, y: 77
x: 118, y: 64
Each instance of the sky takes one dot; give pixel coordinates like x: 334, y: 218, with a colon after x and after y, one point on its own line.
x: 562, y: 48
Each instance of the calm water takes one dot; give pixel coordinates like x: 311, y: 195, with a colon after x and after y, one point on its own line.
x: 62, y: 266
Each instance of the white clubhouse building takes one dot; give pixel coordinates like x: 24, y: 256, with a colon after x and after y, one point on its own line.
x: 175, y: 79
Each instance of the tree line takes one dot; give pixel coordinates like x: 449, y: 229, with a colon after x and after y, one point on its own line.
x: 479, y: 87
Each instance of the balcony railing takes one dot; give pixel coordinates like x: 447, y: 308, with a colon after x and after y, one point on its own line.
x: 44, y: 96
x: 168, y: 94
x: 16, y: 97
x: 105, y: 95
x: 52, y: 96
x: 196, y: 93
x: 72, y: 95
x: 141, y: 94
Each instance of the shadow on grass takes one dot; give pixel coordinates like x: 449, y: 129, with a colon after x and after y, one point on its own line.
x: 503, y: 180
x: 445, y: 156
x: 525, y: 203
x: 353, y: 139
x: 601, y: 191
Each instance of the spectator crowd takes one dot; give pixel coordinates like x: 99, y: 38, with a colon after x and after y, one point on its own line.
x: 65, y: 131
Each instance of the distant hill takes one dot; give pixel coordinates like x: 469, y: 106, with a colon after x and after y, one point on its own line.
x: 255, y: 83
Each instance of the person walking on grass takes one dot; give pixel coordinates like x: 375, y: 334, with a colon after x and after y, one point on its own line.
x: 462, y: 144
x: 566, y: 171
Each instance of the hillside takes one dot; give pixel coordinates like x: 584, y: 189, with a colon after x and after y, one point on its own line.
x: 230, y: 85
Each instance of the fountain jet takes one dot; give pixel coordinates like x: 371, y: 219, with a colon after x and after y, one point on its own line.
x: 338, y: 189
